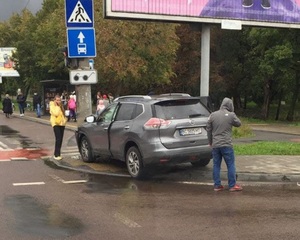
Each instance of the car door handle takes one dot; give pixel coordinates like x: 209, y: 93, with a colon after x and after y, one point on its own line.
x: 126, y: 127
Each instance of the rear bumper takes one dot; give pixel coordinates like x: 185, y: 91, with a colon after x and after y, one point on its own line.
x: 162, y: 155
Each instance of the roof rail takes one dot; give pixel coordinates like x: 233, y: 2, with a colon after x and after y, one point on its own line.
x: 132, y: 97
x: 174, y: 94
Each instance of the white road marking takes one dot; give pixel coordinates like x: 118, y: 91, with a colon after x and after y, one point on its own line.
x: 75, y: 181
x: 57, y: 178
x: 28, y: 183
x: 126, y: 221
x: 197, y: 183
x: 18, y: 158
x: 3, y: 146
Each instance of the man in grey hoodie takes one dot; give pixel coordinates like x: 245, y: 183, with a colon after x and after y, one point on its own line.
x: 219, y: 130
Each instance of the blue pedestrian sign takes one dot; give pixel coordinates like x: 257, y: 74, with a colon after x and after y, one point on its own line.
x: 81, y: 42
x: 79, y: 13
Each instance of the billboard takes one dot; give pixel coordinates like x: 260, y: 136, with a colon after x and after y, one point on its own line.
x: 6, y: 63
x: 264, y: 13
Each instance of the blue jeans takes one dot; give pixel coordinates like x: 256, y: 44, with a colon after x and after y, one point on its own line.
x: 21, y: 108
x: 38, y: 110
x: 228, y: 154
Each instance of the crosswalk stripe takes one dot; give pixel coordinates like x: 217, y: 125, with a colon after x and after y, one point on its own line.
x: 28, y: 183
x: 3, y: 146
x: 18, y: 158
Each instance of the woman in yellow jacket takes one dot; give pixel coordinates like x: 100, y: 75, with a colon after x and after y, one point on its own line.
x: 58, y: 122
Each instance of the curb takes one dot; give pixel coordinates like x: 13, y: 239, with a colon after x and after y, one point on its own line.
x: 46, y: 122
x: 187, y: 176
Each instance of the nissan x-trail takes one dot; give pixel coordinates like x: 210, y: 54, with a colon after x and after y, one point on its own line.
x: 147, y: 130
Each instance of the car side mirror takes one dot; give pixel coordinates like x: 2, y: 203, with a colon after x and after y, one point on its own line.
x: 90, y: 119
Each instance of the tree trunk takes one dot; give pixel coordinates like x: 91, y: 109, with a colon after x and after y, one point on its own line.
x: 279, y: 105
x: 267, y: 96
x: 245, y: 101
x: 296, y: 89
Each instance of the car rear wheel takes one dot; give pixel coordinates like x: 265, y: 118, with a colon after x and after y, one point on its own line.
x: 201, y: 163
x: 134, y: 163
x: 86, y: 150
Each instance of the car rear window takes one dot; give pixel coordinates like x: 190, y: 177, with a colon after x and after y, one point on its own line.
x: 180, y: 109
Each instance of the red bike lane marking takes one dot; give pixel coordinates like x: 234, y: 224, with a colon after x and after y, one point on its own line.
x: 23, y: 153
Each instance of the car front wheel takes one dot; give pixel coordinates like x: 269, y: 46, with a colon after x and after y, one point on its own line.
x: 134, y: 163
x: 86, y: 151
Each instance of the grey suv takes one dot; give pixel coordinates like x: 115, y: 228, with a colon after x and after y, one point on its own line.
x: 147, y: 130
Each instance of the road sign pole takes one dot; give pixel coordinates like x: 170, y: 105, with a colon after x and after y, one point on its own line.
x: 81, y: 46
x: 83, y: 95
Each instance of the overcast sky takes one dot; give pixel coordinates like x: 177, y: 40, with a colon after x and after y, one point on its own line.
x: 8, y: 7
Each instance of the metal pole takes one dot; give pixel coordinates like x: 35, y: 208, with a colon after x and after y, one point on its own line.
x: 205, y: 58
x: 83, y: 95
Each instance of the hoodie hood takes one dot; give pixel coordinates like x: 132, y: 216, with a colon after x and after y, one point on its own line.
x: 227, y: 104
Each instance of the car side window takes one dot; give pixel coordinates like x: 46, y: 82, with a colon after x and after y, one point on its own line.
x: 138, y: 110
x: 108, y: 114
x: 126, y: 112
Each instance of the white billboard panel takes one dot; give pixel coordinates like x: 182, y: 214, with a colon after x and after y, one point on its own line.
x: 267, y: 13
x: 6, y: 63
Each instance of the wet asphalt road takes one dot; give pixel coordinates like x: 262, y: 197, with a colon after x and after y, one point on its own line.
x: 40, y: 201
x: 70, y: 205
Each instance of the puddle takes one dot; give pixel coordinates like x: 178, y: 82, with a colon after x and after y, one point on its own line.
x: 6, y: 131
x: 14, y: 137
x: 35, y: 218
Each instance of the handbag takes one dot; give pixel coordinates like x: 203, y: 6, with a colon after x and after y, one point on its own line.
x: 67, y: 113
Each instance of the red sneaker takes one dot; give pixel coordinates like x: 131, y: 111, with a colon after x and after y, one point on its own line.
x: 218, y: 188
x: 235, y: 188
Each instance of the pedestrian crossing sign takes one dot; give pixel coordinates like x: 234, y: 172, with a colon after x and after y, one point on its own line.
x: 79, y: 13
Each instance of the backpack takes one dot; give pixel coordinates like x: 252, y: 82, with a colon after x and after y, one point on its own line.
x: 72, y: 104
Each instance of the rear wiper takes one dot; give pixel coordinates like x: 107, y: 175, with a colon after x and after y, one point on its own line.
x: 195, y: 115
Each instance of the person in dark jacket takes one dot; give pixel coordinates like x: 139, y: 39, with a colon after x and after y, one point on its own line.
x: 22, y: 103
x: 37, y: 104
x: 219, y: 131
x: 7, y: 106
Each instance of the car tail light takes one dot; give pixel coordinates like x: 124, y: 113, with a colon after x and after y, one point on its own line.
x: 156, y: 123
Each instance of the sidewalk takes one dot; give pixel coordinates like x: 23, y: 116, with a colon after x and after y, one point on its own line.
x: 249, y: 168
x: 30, y: 115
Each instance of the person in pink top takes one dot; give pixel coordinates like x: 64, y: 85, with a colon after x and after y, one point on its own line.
x: 72, y: 108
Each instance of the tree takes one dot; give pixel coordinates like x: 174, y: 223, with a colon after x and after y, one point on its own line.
x: 274, y: 56
x: 187, y: 65
x: 134, y: 56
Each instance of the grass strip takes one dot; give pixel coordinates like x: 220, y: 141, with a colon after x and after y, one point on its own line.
x: 267, y: 148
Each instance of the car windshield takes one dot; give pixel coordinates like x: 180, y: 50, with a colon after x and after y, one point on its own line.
x: 180, y: 109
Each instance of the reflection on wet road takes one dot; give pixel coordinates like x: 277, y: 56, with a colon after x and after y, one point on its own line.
x: 35, y: 218
x: 14, y: 146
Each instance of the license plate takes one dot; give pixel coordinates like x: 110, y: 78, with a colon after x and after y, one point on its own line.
x: 190, y: 131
